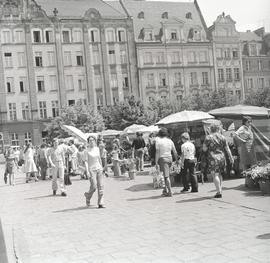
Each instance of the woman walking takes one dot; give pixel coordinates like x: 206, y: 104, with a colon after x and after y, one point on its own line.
x: 94, y: 171
x: 164, y: 149
x: 11, y: 163
x: 30, y: 166
x: 216, y: 145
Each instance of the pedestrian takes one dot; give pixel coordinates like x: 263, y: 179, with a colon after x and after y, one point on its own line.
x: 164, y: 149
x: 56, y: 158
x: 73, y: 157
x: 138, y: 147
x: 216, y: 147
x: 81, y: 166
x: 245, y: 138
x: 94, y: 171
x: 188, y: 162
x: 43, y: 161
x: 103, y: 155
x: 116, y: 160
x: 11, y: 164
x: 30, y: 167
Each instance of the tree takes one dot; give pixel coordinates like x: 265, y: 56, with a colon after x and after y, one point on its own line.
x: 259, y: 97
x: 83, y: 117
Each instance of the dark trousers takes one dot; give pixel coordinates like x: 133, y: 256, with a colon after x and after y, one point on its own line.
x: 189, y: 165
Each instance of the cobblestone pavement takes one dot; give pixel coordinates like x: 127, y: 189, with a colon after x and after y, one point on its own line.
x: 137, y: 225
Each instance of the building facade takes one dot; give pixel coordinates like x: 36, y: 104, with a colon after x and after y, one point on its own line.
x: 53, y: 55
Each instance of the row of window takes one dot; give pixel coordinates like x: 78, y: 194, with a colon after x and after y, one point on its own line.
x: 40, y: 83
x: 15, y: 138
x: 159, y: 57
x: 256, y: 65
x: 227, y: 53
x: 177, y: 79
x: 251, y: 83
x: 68, y: 35
x: 230, y: 74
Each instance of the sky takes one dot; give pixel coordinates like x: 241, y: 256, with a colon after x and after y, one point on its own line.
x: 248, y: 14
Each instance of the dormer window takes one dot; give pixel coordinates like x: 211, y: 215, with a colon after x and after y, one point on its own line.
x: 141, y: 15
x: 164, y: 15
x: 173, y: 34
x: 148, y: 35
x: 253, y: 50
x: 188, y: 15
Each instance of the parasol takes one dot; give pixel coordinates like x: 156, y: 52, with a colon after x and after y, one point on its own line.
x: 185, y: 117
x: 238, y: 111
x: 75, y: 132
x: 133, y: 128
x: 110, y: 133
x: 149, y: 129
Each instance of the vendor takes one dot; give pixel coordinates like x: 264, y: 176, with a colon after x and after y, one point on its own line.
x: 245, y: 140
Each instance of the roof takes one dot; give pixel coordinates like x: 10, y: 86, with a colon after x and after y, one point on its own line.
x: 153, y: 11
x: 249, y: 36
x: 77, y: 8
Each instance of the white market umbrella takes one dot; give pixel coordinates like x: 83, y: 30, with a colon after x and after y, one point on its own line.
x: 75, y: 132
x: 185, y: 117
x: 133, y: 128
x: 149, y: 129
x: 238, y: 111
x: 110, y: 133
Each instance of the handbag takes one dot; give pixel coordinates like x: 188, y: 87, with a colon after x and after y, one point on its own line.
x: 20, y: 162
x: 67, y: 180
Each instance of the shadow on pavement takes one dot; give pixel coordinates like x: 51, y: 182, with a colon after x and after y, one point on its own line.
x: 140, y: 187
x: 75, y: 209
x: 264, y: 236
x: 199, y: 199
x: 42, y: 196
x: 146, y: 198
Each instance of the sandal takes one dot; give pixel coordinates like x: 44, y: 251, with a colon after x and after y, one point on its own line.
x: 218, y: 195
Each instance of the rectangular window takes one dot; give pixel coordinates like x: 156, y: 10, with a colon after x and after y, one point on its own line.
x: 14, y: 139
x: 110, y: 35
x: 98, y: 84
x: 160, y: 58
x: 25, y: 111
x: 259, y: 65
x: 42, y: 110
x: 228, y: 74
x: 67, y: 58
x: 6, y: 36
x: 235, y: 53
x: 227, y: 53
x: 79, y: 58
x: 203, y: 56
x: 53, y: 82
x: 253, y: 50
x: 121, y: 36
x: 179, y: 97
x: 112, y: 59
x: 175, y: 57
x: 205, y: 78
x: 55, y: 108
x: 250, y: 83
x: 66, y: 36
x: 99, y: 99
x: 177, y: 79
x: 148, y: 35
x: 219, y: 53
x: 27, y: 137
x: 94, y: 36
x: 37, y: 36
x: 113, y: 81
x: 40, y: 84
x: 69, y: 82
x: 247, y: 65
x: 162, y: 79
x: 148, y: 59
x: 81, y: 83
x: 125, y: 81
x: 71, y: 102
x: 49, y: 36
x: 22, y: 84
x: 123, y: 56
x: 19, y: 36
x: 191, y: 57
x: 38, y: 59
x: 150, y: 80
x: 21, y: 59
x: 8, y: 60
x: 96, y: 60
x: 77, y: 34
x: 261, y: 83
x: 10, y: 85
x: 51, y: 58
x: 12, y: 111
x: 238, y: 93
x: 173, y: 34
x: 193, y: 78
x: 236, y: 74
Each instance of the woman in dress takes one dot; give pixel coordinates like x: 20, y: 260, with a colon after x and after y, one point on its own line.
x: 245, y: 138
x: 29, y: 165
x: 116, y: 160
x: 94, y: 171
x: 216, y: 146
x: 11, y: 163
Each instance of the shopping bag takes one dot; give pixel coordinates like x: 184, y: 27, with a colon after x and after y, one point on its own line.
x: 67, y: 180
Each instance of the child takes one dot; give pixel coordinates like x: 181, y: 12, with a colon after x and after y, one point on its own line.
x: 11, y: 163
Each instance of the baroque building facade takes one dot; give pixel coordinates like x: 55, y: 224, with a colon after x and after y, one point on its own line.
x: 52, y: 55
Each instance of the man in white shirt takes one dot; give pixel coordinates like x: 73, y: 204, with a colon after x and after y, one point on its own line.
x: 188, y: 162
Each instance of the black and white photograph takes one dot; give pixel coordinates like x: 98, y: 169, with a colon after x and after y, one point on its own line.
x: 134, y: 131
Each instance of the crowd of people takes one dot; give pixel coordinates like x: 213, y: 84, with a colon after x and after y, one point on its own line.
x: 60, y: 159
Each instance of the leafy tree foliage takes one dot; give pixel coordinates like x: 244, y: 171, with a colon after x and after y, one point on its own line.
x: 260, y: 97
